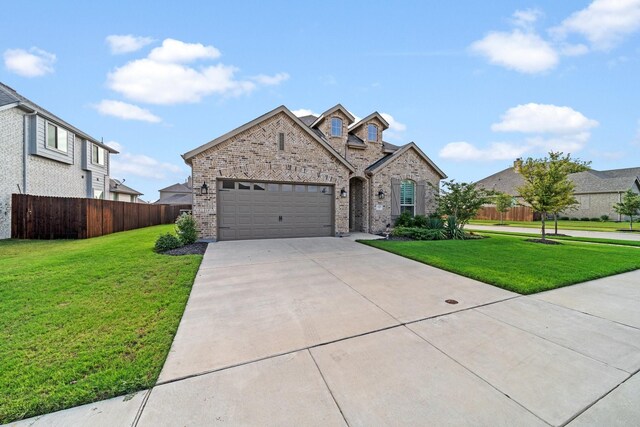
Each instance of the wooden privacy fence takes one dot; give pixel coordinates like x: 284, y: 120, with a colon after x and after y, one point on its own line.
x: 517, y: 213
x: 40, y: 217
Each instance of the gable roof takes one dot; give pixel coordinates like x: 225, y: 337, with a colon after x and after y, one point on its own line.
x: 331, y: 111
x: 586, y: 182
x: 180, y: 187
x: 375, y: 167
x: 176, y: 199
x: 281, y: 109
x: 10, y: 96
x: 116, y: 186
x: 373, y: 115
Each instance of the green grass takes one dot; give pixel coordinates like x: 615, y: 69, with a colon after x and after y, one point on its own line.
x: 568, y: 238
x: 517, y: 265
x: 85, y: 320
x: 566, y: 225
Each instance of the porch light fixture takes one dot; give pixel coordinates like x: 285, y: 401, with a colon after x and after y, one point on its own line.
x: 343, y: 192
x: 380, y: 194
x: 204, y: 189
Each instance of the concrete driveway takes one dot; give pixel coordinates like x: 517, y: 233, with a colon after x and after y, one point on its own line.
x: 326, y: 331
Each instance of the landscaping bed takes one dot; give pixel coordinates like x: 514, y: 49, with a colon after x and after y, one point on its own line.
x: 86, y: 320
x: 517, y: 265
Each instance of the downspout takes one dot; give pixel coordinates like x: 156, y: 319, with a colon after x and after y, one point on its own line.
x: 25, y: 150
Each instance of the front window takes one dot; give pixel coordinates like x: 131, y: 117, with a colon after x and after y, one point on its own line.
x: 97, y: 155
x: 372, y: 133
x: 336, y: 126
x: 56, y: 137
x: 408, y: 197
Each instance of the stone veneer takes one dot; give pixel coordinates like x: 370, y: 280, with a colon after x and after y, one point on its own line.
x: 409, y: 165
x: 254, y: 154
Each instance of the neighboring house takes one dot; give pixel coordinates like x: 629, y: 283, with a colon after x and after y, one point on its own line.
x: 176, y: 194
x: 122, y: 193
x: 284, y: 176
x: 595, y: 191
x: 41, y: 154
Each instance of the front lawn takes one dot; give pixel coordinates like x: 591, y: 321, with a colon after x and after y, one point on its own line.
x: 569, y: 238
x: 564, y: 225
x: 517, y: 265
x: 85, y: 320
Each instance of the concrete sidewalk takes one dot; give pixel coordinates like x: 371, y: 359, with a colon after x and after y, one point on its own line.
x: 329, y: 332
x: 617, y: 235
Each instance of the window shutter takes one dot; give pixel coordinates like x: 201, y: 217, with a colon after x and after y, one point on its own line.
x: 395, y: 198
x: 420, y: 195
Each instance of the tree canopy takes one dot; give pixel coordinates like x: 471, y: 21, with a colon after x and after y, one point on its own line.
x: 629, y: 206
x: 461, y: 200
x: 547, y: 188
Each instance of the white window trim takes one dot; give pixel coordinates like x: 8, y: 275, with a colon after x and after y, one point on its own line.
x: 405, y: 205
x: 104, y: 156
x: 341, y: 125
x: 369, y: 134
x: 46, y: 137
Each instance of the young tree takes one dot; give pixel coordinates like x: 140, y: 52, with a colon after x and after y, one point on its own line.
x: 503, y: 203
x: 630, y: 206
x: 547, y: 187
x: 461, y: 200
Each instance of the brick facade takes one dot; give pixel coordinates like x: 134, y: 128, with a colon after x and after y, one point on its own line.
x: 11, y: 148
x: 252, y: 153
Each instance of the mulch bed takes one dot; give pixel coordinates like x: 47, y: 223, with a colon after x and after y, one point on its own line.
x: 197, y: 248
x: 544, y: 242
x: 558, y: 235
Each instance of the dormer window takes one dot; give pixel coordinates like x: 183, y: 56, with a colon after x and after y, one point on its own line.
x: 372, y: 133
x: 336, y: 126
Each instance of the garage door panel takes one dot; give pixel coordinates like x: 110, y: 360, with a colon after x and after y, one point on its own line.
x: 272, y: 210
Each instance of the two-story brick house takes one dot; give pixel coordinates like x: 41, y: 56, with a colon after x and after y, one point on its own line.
x: 284, y: 176
x: 41, y: 154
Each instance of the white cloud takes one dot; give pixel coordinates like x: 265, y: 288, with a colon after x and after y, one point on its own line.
x: 547, y: 128
x: 304, y: 112
x: 526, y: 18
x: 604, y: 23
x: 525, y: 52
x: 126, y: 164
x: 543, y: 118
x: 34, y: 63
x: 464, y: 151
x: 176, y: 51
x: 163, y: 78
x: 394, y: 125
x: 119, y: 44
x: 123, y: 110
x: 271, y: 80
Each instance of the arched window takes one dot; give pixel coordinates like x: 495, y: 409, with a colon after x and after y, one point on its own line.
x: 408, y: 197
x: 372, y: 133
x: 336, y: 126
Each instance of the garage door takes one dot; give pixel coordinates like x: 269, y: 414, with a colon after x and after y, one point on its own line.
x: 266, y: 210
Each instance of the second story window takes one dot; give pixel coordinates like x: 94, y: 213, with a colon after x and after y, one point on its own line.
x: 281, y: 141
x: 56, y: 137
x: 97, y: 155
x: 336, y: 126
x: 372, y: 133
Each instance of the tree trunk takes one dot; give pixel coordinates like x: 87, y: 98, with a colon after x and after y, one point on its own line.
x: 544, y: 214
x: 501, y: 222
x: 555, y: 220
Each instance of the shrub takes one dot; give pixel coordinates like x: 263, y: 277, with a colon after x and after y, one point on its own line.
x: 604, y: 218
x: 564, y: 218
x: 420, y: 221
x: 453, y: 229
x: 186, y: 229
x: 166, y: 242
x: 584, y: 218
x: 405, y: 220
x: 435, y: 223
x: 595, y: 219
x: 418, y: 233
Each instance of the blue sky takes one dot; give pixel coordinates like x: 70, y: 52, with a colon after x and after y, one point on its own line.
x: 474, y: 84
